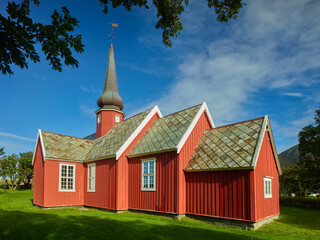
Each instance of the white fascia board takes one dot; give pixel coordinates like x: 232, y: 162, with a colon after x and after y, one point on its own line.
x: 39, y: 136
x: 137, y: 131
x: 186, y: 135
x: 260, y: 140
x: 274, y: 148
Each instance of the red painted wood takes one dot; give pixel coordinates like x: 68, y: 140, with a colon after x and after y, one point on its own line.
x: 224, y: 188
x: 266, y: 166
x: 104, y: 195
x: 38, y: 176
x: 185, y: 155
x: 122, y: 171
x: 107, y: 121
x: 164, y: 198
x: 52, y: 196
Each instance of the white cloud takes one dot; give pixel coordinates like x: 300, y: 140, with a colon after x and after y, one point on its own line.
x: 87, y: 110
x: 10, y: 135
x: 273, y: 46
x: 89, y: 89
x: 293, y: 94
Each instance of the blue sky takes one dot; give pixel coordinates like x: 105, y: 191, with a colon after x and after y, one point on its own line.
x: 264, y: 63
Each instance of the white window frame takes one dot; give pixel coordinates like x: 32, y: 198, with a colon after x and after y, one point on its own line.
x: 143, y: 161
x: 267, y: 181
x: 93, y: 189
x: 117, y: 118
x: 67, y: 177
x: 99, y: 118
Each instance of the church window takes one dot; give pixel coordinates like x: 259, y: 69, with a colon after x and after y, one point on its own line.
x: 91, y: 177
x: 117, y: 119
x: 267, y: 187
x: 66, y: 177
x: 148, y: 181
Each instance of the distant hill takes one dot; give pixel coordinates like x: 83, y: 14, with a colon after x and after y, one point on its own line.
x: 289, y: 156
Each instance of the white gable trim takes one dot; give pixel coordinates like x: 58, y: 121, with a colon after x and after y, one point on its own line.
x: 39, y: 136
x: 186, y: 135
x: 137, y: 131
x: 266, y: 127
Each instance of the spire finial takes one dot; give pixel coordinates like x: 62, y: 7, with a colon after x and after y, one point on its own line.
x: 112, y: 26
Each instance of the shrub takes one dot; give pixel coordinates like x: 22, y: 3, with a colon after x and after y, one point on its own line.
x: 306, y: 202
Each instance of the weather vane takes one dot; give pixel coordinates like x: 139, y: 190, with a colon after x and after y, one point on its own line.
x: 112, y: 26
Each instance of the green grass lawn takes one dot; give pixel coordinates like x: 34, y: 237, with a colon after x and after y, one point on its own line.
x: 20, y: 220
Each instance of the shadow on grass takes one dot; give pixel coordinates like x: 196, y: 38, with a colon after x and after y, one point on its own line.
x: 24, y: 225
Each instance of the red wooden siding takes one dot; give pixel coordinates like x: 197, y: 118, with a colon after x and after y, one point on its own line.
x: 123, y: 172
x: 184, y: 156
x: 219, y: 193
x: 107, y: 121
x: 38, y: 176
x: 104, y: 195
x: 52, y: 196
x: 164, y: 199
x: 266, y: 166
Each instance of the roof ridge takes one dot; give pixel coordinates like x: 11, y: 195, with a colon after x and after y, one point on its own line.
x: 182, y: 110
x: 137, y: 114
x: 232, y: 124
x: 63, y: 135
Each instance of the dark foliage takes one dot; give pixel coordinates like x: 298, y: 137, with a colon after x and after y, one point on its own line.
x: 300, y: 202
x: 19, y: 34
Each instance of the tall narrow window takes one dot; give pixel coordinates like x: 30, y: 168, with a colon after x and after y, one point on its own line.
x: 267, y: 187
x: 66, y: 177
x: 148, y: 170
x: 91, y: 177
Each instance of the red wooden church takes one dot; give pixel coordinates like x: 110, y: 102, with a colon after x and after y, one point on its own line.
x: 180, y: 164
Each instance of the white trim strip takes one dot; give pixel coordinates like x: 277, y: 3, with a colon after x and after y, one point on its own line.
x: 186, y: 135
x: 259, y: 143
x: 41, y: 145
x: 137, y: 131
x: 266, y: 127
x: 274, y: 148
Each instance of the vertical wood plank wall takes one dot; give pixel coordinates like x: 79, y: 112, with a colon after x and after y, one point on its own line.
x: 164, y: 199
x: 185, y: 155
x: 38, y: 176
x: 52, y: 196
x: 266, y: 166
x: 122, y: 174
x: 219, y: 193
x: 104, y: 195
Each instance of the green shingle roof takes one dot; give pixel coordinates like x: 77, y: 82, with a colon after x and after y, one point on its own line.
x: 111, y: 142
x: 165, y: 133
x: 231, y: 146
x: 64, y: 147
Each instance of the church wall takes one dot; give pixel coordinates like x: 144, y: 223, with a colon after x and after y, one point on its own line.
x: 122, y: 170
x: 38, y: 176
x: 184, y: 156
x: 164, y: 198
x: 266, y: 167
x: 226, y: 194
x: 52, y: 196
x: 104, y: 195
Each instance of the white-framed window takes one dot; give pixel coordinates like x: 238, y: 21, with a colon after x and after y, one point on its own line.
x: 67, y: 174
x: 99, y: 118
x: 117, y: 118
x: 148, y: 174
x: 267, y: 187
x: 91, y: 177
